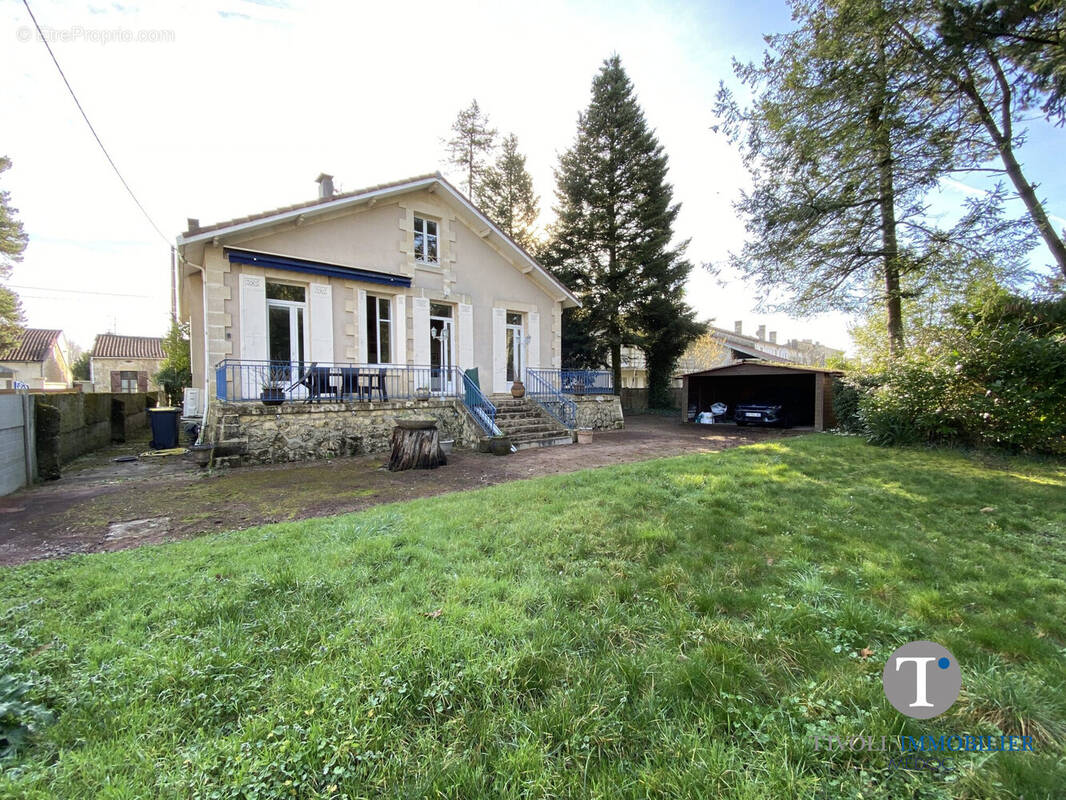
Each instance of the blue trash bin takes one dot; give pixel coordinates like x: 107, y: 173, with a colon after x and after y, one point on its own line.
x: 164, y: 422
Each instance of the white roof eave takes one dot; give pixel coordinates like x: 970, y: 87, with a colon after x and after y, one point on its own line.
x: 568, y: 299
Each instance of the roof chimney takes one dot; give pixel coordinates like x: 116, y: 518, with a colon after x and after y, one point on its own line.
x: 773, y: 337
x: 761, y: 332
x: 738, y: 327
x: 192, y: 224
x: 325, y: 186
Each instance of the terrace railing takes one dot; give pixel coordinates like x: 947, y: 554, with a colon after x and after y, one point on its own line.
x: 547, y: 396
x: 243, y: 380
x: 479, y: 406
x: 578, y: 381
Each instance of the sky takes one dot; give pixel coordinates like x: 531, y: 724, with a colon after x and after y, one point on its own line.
x: 216, y: 110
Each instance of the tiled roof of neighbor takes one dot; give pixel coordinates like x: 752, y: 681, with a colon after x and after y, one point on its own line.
x: 35, y: 345
x: 307, y: 204
x: 110, y: 345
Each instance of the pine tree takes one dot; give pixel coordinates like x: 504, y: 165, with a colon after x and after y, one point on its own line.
x: 13, y: 242
x: 469, y: 148
x: 612, y: 243
x: 844, y: 143
x: 507, y: 193
x: 995, y: 61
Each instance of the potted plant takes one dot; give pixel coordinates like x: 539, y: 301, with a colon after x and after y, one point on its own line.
x: 578, y: 386
x: 584, y: 435
x: 273, y: 388
x: 518, y: 389
x: 201, y: 453
x: 422, y: 393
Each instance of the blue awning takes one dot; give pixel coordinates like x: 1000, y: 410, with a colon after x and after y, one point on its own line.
x: 315, y: 267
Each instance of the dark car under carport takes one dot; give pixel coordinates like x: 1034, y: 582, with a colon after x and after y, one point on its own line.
x: 805, y: 392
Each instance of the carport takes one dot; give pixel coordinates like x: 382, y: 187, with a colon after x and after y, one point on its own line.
x: 806, y: 392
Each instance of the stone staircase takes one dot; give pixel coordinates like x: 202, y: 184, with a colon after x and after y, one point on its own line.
x: 528, y: 425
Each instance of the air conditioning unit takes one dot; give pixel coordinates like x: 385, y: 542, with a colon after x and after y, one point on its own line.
x: 193, y: 403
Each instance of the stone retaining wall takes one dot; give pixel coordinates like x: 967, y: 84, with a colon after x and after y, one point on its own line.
x: 252, y: 433
x: 601, y: 412
x: 91, y: 421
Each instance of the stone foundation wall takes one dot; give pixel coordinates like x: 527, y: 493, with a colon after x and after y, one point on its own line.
x: 251, y: 433
x: 601, y: 412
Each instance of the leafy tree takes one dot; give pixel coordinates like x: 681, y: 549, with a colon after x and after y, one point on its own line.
x: 612, y: 241
x: 507, y: 193
x: 994, y: 60
x: 705, y: 352
x: 176, y: 371
x: 469, y: 148
x: 844, y: 144
x: 81, y: 367
x: 13, y: 241
x: 996, y: 377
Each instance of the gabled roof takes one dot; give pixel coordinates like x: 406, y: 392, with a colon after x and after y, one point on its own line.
x: 110, y: 345
x: 35, y: 345
x: 344, y: 200
x: 738, y: 366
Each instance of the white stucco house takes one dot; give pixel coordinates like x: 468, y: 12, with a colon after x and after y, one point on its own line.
x: 405, y: 273
x: 380, y: 294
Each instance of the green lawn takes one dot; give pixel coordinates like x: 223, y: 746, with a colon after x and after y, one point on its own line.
x: 669, y: 628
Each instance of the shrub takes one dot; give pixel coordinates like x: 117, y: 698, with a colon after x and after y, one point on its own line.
x: 997, y: 379
x: 847, y: 392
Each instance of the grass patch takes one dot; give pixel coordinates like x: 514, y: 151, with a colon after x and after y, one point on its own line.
x: 677, y: 627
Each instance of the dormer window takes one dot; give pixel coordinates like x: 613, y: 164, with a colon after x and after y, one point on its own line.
x: 426, y: 251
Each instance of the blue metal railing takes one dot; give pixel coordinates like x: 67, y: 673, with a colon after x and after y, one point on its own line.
x: 578, y: 381
x: 243, y: 380
x: 544, y: 394
x: 480, y: 407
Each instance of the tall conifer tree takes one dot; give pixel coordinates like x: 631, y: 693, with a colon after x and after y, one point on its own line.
x: 845, y: 140
x: 612, y: 243
x: 507, y: 193
x: 470, y: 146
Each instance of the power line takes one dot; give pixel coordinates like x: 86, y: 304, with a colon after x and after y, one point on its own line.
x: 76, y: 291
x: 85, y: 116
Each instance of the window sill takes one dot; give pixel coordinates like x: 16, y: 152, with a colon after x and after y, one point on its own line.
x: 430, y: 264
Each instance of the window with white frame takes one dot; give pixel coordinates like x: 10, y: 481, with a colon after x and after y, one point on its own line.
x: 378, y: 329
x: 128, y: 381
x: 426, y: 251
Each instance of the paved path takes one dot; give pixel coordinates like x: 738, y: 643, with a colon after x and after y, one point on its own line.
x: 101, y: 505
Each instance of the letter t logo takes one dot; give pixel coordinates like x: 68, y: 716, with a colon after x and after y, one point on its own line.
x: 920, y: 669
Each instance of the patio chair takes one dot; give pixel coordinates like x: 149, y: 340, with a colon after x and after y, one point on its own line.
x: 376, y: 382
x: 316, y: 379
x: 350, y: 386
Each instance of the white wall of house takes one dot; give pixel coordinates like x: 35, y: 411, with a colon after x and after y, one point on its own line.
x: 478, y: 277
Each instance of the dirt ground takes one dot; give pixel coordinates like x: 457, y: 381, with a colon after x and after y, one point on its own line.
x: 101, y: 505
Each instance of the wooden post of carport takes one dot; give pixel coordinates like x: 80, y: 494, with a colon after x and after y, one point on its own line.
x: 684, y: 398
x: 819, y: 401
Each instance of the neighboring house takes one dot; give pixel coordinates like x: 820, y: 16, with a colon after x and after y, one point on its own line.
x: 40, y: 360
x: 723, y: 347
x: 125, y: 364
x: 406, y: 273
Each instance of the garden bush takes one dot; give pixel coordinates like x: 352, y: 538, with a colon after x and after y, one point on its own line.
x: 997, y: 379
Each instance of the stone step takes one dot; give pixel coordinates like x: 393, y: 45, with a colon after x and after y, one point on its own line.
x: 519, y: 426
x: 554, y: 441
x: 534, y: 433
x: 500, y: 414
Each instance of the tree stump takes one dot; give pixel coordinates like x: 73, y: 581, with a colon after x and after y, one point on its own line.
x: 416, y: 445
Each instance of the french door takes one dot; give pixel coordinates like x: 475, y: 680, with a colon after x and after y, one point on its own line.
x: 516, y: 347
x: 441, y: 349
x: 287, y: 341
